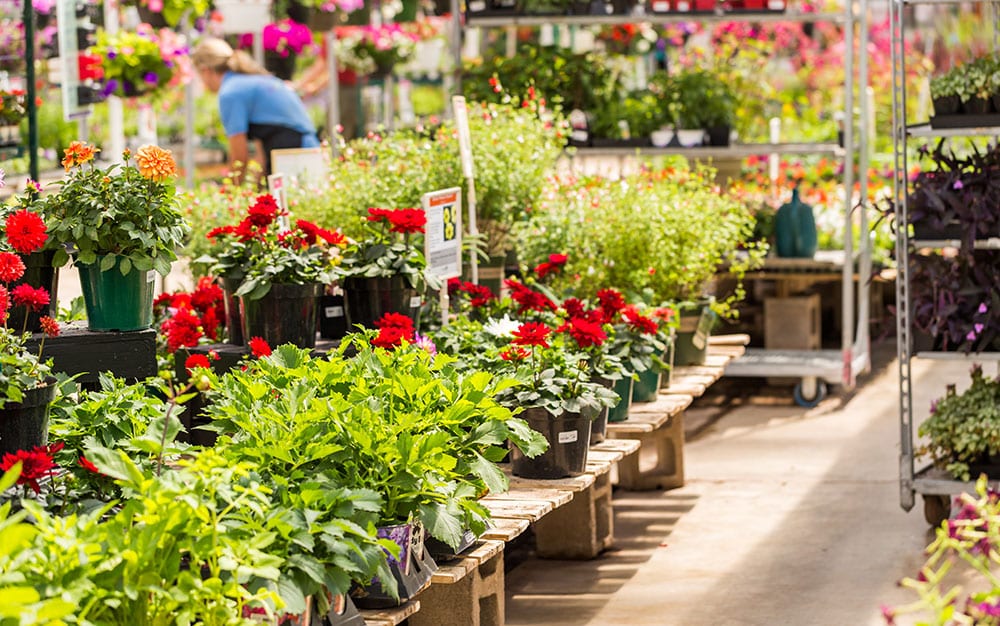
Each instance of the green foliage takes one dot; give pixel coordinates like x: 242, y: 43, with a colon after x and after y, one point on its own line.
x: 190, y: 547
x: 115, y: 211
x: 964, y: 428
x: 970, y: 541
x: 697, y: 98
x: 643, y: 111
x: 405, y: 425
x: 514, y: 148
x: 676, y: 214
x: 20, y: 369
x: 133, y: 62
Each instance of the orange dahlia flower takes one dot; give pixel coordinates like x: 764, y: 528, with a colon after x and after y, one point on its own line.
x: 155, y: 163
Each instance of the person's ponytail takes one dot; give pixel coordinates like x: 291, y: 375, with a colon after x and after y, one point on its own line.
x: 242, y: 63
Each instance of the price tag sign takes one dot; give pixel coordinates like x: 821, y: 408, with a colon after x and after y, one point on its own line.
x: 464, y: 135
x: 276, y: 187
x: 704, y: 329
x: 443, y: 237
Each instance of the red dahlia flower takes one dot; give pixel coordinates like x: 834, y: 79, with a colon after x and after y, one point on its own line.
x: 36, y: 463
x: 639, y: 322
x: 395, y: 320
x: 196, y: 360
x: 11, y: 267
x: 26, y: 231
x: 259, y: 347
x: 585, y: 332
x: 407, y: 221
x: 263, y: 211
x: 86, y: 464
x: 392, y: 337
x: 49, y: 326
x: 532, y: 334
x: 33, y: 298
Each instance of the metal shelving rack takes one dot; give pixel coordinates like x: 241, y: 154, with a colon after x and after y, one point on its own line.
x: 936, y: 486
x: 815, y: 368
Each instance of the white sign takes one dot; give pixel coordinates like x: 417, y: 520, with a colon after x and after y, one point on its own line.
x: 464, y: 135
x: 302, y: 164
x: 67, y: 22
x: 276, y: 187
x: 443, y: 236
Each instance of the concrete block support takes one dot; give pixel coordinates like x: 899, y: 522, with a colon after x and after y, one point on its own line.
x: 667, y: 442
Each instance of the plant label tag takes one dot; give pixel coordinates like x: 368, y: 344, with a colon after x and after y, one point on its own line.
x: 701, y: 333
x: 334, y: 311
x: 415, y: 302
x: 443, y: 233
x: 150, y: 276
x: 461, y: 113
x: 579, y: 135
x: 477, y: 6
x: 683, y: 5
x: 568, y: 436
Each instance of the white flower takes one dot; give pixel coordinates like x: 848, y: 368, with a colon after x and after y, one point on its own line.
x: 503, y: 327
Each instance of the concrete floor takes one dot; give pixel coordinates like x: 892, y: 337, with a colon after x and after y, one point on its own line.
x: 789, y: 517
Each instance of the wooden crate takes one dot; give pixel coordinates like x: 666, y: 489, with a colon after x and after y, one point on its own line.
x: 792, y: 323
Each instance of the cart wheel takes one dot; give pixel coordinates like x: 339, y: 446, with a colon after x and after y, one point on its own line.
x: 936, y: 509
x: 804, y: 400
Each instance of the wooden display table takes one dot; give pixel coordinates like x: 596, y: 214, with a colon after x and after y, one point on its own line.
x: 659, y: 425
x: 87, y: 353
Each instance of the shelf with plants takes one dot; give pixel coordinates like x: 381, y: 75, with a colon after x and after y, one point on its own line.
x: 947, y: 250
x: 500, y: 21
x: 738, y: 151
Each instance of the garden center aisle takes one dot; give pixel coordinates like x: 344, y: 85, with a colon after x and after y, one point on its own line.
x: 789, y: 518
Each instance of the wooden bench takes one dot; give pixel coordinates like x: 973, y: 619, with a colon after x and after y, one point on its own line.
x: 659, y: 425
x: 391, y: 616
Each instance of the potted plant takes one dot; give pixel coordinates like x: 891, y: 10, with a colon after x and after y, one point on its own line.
x: 141, y: 62
x: 384, y: 271
x: 698, y: 100
x: 374, y: 50
x: 945, y: 92
x: 977, y: 85
x: 122, y: 223
x: 283, y: 41
x: 25, y: 234
x: 282, y: 272
x: 163, y: 13
x: 558, y: 397
x: 12, y: 111
x: 27, y: 387
x: 962, y: 428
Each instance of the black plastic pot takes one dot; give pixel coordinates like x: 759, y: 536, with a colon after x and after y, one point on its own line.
x: 38, y: 272
x: 947, y: 105
x: 719, y: 135
x: 368, y: 299
x: 977, y: 106
x: 440, y: 551
x: 927, y: 232
x: 286, y: 314
x: 281, y: 66
x: 25, y: 424
x: 569, y: 439
x: 234, y: 315
x: 332, y: 317
x: 412, y: 571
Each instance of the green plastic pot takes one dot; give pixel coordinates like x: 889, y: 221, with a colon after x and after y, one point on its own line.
x: 689, y: 348
x: 646, y: 385
x: 619, y: 412
x: 116, y: 301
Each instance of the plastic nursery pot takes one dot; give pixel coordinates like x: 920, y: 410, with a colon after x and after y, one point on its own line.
x: 38, y: 272
x: 947, y: 105
x: 25, y: 424
x: 332, y: 317
x: 569, y: 439
x: 691, y: 341
x: 646, y: 385
x: 619, y: 412
x: 368, y: 299
x: 412, y: 571
x: 115, y: 301
x: 234, y: 315
x: 285, y: 314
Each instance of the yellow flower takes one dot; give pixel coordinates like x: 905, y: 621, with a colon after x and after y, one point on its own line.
x: 155, y: 163
x: 78, y: 153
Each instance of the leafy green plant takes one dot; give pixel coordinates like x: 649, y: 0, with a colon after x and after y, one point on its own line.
x: 400, y: 423
x: 697, y: 98
x: 964, y: 428
x: 675, y: 212
x: 126, y: 210
x: 190, y: 547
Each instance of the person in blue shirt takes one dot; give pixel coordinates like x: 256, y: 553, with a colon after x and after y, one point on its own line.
x: 253, y: 105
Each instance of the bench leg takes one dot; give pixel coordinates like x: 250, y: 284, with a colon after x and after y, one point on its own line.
x: 580, y: 529
x: 475, y: 600
x: 668, y: 471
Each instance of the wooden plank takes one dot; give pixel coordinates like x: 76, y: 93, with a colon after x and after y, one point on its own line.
x: 737, y: 339
x: 627, y: 447
x: 598, y: 467
x: 557, y: 497
x: 391, y: 616
x: 456, y: 571
x: 531, y: 510
x: 602, y: 456
x: 570, y: 484
x: 506, y: 529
